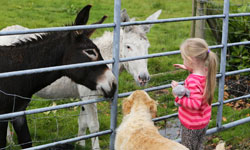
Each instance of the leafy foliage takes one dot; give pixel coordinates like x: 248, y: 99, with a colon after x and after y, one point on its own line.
x: 238, y: 57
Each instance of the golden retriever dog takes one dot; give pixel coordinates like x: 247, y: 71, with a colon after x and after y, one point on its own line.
x: 137, y: 130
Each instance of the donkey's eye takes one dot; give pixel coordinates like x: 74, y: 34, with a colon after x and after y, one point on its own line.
x: 90, y: 51
x: 128, y: 47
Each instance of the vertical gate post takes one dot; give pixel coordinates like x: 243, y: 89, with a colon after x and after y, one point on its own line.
x: 194, y: 7
x: 200, y: 24
x: 223, y: 63
x: 115, y: 69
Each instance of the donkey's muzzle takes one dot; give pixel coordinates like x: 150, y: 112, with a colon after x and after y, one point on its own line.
x: 107, y: 84
x: 110, y: 93
x: 143, y: 79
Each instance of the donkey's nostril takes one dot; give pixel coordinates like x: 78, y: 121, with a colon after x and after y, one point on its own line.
x: 83, y: 109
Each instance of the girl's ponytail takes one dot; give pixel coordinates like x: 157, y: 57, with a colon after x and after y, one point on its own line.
x: 211, y: 77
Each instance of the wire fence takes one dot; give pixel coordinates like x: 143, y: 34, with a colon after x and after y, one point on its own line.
x: 228, y: 83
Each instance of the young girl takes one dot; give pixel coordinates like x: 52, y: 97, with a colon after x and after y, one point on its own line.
x: 195, y: 110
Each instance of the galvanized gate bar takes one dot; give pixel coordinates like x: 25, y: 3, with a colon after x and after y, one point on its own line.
x: 223, y: 62
x: 115, y: 69
x: 50, y: 108
x: 39, y: 110
x: 237, y: 71
x: 209, y: 131
x: 150, y: 56
x: 44, y: 109
x: 55, y: 68
x: 225, y: 126
x: 68, y: 28
x: 238, y: 43
x: 172, y: 20
x: 178, y: 52
x: 109, y: 25
x: 239, y: 15
x: 87, y: 64
x: 228, y: 125
x: 236, y: 98
x: 75, y: 139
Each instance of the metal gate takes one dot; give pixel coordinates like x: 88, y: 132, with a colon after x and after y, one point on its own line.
x: 116, y: 60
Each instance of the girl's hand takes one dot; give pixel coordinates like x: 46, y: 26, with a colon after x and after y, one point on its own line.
x: 173, y: 85
x: 180, y: 66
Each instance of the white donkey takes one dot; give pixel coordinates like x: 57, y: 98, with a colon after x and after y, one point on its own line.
x: 133, y: 42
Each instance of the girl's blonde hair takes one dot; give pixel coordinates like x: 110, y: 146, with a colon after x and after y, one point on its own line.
x: 198, y: 48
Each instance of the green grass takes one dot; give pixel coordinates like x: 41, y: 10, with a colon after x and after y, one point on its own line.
x: 62, y: 124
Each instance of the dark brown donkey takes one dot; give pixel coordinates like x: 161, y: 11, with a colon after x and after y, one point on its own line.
x: 51, y: 49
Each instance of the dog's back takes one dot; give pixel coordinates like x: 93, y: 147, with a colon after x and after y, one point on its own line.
x: 150, y: 139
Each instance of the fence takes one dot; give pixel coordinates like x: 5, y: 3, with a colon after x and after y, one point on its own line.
x: 116, y: 60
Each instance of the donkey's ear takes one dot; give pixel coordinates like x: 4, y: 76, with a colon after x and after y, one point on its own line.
x: 83, y: 16
x: 124, y: 16
x: 154, y: 16
x: 89, y: 32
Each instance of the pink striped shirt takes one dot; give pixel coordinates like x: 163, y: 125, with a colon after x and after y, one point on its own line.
x: 194, y: 112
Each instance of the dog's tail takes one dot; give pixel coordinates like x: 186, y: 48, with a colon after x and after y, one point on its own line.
x: 220, y: 146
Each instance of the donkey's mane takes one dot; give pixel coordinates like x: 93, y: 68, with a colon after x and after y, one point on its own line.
x: 40, y: 38
x: 43, y: 37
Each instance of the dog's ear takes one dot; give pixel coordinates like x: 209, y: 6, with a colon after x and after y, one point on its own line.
x: 153, y: 107
x: 126, y: 106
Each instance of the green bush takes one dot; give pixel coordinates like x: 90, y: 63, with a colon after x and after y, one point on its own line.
x: 238, y: 56
x: 238, y: 31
